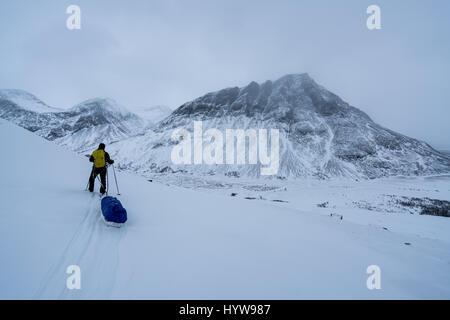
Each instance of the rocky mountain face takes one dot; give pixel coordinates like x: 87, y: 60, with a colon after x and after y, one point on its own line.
x: 320, y: 134
x: 80, y: 128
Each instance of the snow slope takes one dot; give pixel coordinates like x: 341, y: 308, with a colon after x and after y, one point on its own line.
x: 181, y: 243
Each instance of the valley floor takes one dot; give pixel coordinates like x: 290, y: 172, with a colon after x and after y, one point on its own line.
x: 270, y: 240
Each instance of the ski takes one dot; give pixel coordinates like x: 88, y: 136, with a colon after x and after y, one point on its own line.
x: 112, y: 224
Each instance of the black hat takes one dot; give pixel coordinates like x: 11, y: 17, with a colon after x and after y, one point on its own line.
x: 101, y: 146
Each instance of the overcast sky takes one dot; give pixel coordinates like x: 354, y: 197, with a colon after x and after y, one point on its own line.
x: 144, y: 53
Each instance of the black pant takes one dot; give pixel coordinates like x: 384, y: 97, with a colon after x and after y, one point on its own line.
x: 95, y: 172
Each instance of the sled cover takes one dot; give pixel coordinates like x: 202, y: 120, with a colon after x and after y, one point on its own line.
x: 113, y: 211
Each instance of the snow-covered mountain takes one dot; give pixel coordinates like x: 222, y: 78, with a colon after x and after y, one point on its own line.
x: 25, y: 101
x: 80, y: 128
x: 93, y: 121
x: 320, y: 134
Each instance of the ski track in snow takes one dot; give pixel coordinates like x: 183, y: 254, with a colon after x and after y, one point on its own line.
x: 92, y: 245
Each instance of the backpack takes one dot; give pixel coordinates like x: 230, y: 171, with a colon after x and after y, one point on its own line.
x: 99, y: 158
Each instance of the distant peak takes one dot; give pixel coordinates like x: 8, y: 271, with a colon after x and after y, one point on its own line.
x: 26, y: 100
x: 14, y: 93
x: 296, y: 77
x: 100, y: 100
x: 102, y: 103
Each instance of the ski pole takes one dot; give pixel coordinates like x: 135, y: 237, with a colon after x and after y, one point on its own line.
x: 107, y: 180
x: 115, y: 178
x: 92, y: 173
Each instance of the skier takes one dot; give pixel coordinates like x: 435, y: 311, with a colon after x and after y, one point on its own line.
x: 100, y: 158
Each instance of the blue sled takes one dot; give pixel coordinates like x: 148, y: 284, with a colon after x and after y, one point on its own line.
x: 113, y: 212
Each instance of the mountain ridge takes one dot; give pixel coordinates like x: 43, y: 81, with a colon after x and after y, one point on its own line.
x: 79, y: 128
x: 321, y: 135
